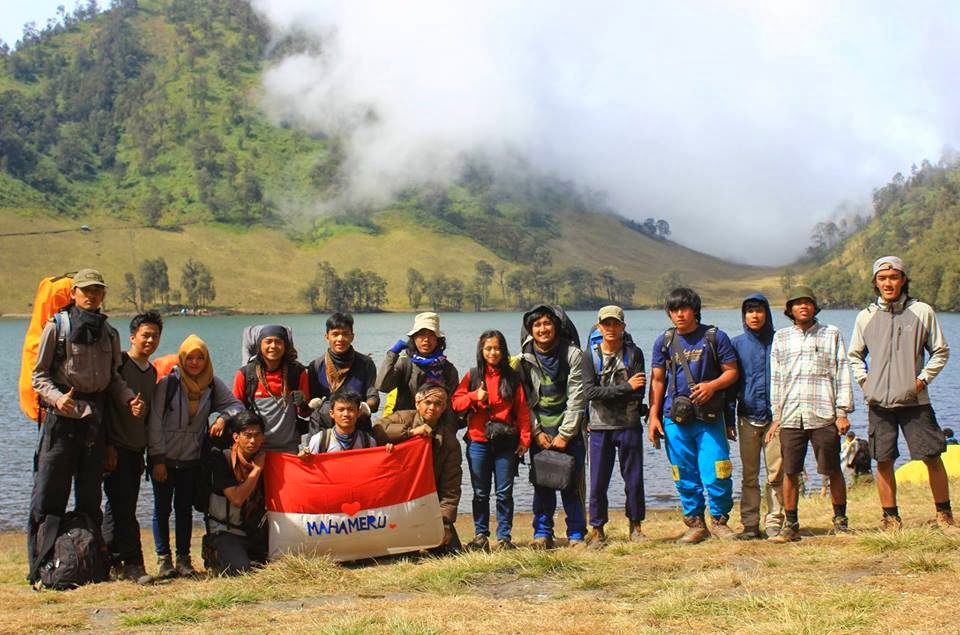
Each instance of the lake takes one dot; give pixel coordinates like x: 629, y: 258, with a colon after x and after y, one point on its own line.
x: 375, y: 334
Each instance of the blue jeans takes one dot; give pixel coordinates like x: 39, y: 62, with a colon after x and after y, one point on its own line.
x: 176, y: 492
x: 604, y: 446
x: 545, y: 499
x: 485, y: 463
x: 700, y: 456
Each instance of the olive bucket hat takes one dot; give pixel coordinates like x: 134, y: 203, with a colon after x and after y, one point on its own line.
x: 801, y: 291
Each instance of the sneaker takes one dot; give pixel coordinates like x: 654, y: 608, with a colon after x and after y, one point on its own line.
x: 542, y: 543
x: 946, y: 523
x: 721, y: 529
x: 636, y: 533
x: 789, y: 533
x: 772, y: 530
x: 479, y: 543
x: 185, y: 567
x: 891, y: 523
x: 596, y: 538
x: 840, y: 525
x: 505, y: 545
x: 165, y: 568
x: 135, y: 572
x: 749, y: 532
x: 696, y: 531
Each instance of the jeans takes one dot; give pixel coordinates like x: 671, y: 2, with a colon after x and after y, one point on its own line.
x: 751, y: 444
x: 176, y: 491
x: 700, y: 457
x: 604, y: 446
x: 501, y: 465
x: 545, y: 499
x: 121, y: 531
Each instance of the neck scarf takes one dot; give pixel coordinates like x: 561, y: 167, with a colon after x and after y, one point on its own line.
x: 345, y: 440
x: 431, y: 365
x: 195, y: 384
x: 337, y: 367
x: 241, y: 465
x: 85, y: 326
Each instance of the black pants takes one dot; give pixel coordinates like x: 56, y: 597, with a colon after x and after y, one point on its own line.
x: 70, y: 452
x: 121, y: 531
x: 231, y: 554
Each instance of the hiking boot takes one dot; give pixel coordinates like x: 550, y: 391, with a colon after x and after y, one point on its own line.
x: 721, y: 529
x: 749, y: 532
x: 840, y: 525
x: 946, y: 523
x: 135, y: 572
x: 789, y: 533
x: 185, y: 567
x: 891, y: 523
x: 636, y: 533
x: 696, y: 531
x: 165, y: 567
x: 505, y: 545
x: 542, y: 543
x: 772, y: 530
x: 576, y: 543
x: 596, y: 538
x: 479, y: 543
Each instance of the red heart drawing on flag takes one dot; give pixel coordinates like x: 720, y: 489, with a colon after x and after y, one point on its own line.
x: 392, y: 525
x: 350, y: 509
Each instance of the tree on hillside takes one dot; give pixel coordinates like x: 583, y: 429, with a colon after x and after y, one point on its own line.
x: 663, y: 228
x: 582, y: 284
x: 484, y: 277
x: 669, y: 281
x: 415, y: 287
x: 154, y: 281
x: 197, y: 283
x: 131, y: 292
x: 788, y: 279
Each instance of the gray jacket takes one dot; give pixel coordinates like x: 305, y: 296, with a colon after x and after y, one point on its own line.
x: 895, y: 336
x: 176, y: 437
x: 532, y: 376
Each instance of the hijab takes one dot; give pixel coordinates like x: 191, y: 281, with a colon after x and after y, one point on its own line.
x: 195, y: 384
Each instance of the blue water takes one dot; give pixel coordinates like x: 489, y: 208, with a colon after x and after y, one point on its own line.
x: 375, y: 333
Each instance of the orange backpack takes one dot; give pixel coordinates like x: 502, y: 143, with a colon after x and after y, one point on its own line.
x: 53, y: 294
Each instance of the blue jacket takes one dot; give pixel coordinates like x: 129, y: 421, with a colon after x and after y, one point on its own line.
x: 753, y: 360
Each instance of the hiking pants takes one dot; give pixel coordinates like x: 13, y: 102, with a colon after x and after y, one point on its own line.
x: 486, y: 463
x: 175, y: 492
x: 121, y: 530
x: 70, y: 452
x: 604, y: 446
x: 700, y: 458
x: 751, y: 445
x: 545, y: 499
x: 232, y: 554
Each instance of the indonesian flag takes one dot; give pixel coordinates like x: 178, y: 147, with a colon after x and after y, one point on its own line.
x: 355, y: 504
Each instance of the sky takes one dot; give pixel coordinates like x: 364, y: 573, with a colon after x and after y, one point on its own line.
x: 740, y: 122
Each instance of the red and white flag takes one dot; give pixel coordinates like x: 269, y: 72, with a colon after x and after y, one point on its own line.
x: 355, y: 504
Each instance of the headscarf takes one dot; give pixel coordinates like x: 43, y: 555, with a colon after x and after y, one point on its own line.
x: 195, y: 384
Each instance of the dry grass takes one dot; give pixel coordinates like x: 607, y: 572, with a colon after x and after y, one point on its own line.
x: 864, y: 582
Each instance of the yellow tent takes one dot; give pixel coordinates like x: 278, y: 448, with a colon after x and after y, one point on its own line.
x: 916, y: 471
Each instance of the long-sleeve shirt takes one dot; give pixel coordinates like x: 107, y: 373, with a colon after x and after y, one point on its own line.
x: 810, y: 385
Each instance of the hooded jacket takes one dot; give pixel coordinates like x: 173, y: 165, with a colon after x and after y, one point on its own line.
x: 895, y: 335
x: 532, y: 377
x: 753, y: 362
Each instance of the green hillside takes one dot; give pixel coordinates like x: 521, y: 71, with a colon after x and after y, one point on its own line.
x: 143, y: 123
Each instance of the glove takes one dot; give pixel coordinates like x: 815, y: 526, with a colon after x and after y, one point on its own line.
x: 297, y: 397
x: 400, y: 345
x: 316, y: 402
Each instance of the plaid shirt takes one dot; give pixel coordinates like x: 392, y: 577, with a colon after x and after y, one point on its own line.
x: 810, y: 384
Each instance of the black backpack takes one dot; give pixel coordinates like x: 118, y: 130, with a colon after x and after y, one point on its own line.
x: 72, y: 552
x: 861, y: 459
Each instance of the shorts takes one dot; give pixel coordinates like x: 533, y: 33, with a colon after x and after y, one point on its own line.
x: 826, y: 448
x: 919, y: 423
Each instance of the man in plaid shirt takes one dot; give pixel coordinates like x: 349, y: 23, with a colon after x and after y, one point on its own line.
x: 810, y: 395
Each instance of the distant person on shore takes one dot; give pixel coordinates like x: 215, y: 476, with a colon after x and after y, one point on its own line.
x: 182, y: 405
x: 614, y: 379
x: 74, y: 380
x: 897, y: 332
x: 428, y: 420
x: 415, y: 360
x: 749, y: 405
x: 855, y: 458
x: 498, y: 434
x: 126, y: 442
x: 811, y: 395
x: 949, y: 437
x: 345, y: 433
x: 343, y: 367
x: 236, y: 538
x: 274, y: 385
x: 551, y: 367
x: 693, y: 364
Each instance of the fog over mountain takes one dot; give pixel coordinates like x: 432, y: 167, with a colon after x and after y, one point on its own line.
x: 742, y: 123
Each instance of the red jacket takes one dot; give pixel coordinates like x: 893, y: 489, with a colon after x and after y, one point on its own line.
x: 516, y: 411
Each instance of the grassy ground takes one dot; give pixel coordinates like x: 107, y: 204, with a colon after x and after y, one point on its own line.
x: 864, y: 582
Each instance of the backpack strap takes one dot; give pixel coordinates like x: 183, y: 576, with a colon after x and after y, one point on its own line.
x: 173, y: 387
x: 250, y: 382
x: 61, y: 325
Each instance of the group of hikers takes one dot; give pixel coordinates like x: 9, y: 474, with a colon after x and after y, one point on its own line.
x: 108, y: 419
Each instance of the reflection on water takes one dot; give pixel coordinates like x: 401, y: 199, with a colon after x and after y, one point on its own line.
x: 376, y: 333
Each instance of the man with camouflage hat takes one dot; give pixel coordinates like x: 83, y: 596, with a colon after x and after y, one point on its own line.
x: 896, y: 331
x: 810, y: 397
